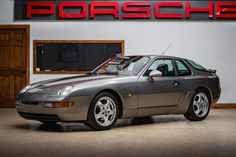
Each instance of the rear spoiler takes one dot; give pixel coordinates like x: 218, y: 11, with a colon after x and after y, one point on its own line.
x: 212, y: 71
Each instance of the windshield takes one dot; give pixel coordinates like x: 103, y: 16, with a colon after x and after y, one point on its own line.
x: 123, y: 65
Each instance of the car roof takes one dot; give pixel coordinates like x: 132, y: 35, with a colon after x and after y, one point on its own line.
x: 157, y: 56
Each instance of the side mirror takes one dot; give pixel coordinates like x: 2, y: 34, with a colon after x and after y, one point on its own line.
x: 154, y: 73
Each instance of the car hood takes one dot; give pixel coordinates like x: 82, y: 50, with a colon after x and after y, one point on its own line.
x: 68, y: 81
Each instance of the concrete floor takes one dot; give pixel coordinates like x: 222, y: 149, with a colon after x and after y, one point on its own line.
x: 159, y: 136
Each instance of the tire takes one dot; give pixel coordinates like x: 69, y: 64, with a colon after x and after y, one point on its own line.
x: 199, y: 106
x: 48, y: 122
x: 103, y: 112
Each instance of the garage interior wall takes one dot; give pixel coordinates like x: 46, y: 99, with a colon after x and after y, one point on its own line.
x: 210, y: 43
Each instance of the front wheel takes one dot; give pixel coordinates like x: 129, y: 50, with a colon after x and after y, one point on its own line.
x: 103, y: 112
x: 199, y: 106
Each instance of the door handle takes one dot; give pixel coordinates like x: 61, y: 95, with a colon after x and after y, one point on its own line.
x: 175, y: 83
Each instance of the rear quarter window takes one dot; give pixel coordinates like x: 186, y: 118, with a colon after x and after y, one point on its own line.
x: 183, y: 70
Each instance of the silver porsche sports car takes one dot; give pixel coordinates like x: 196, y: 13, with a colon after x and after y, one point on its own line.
x: 123, y: 87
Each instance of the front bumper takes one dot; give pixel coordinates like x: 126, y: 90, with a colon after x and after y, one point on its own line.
x: 31, y: 107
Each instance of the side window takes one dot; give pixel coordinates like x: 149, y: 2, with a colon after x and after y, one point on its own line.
x: 182, y: 68
x: 163, y: 65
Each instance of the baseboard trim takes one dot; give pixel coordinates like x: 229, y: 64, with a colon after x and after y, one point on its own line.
x: 224, y: 106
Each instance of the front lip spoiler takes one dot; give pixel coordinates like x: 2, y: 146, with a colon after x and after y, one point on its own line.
x: 46, y: 117
x: 40, y: 117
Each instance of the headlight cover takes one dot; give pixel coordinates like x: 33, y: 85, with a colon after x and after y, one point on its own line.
x: 25, y: 89
x: 65, y: 91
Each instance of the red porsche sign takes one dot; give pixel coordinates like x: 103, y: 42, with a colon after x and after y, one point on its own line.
x: 107, y: 10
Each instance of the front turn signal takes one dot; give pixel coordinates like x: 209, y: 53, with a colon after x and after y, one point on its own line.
x: 62, y: 104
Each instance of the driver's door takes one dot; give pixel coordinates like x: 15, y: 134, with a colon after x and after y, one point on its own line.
x: 162, y: 91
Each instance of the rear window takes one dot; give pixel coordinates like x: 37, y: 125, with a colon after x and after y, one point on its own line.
x: 196, y: 65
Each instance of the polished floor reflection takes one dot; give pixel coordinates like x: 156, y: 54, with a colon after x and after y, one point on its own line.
x: 158, y: 136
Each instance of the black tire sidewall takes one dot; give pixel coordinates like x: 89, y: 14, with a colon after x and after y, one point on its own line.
x: 91, y: 121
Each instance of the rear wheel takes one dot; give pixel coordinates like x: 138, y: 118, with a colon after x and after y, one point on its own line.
x: 199, y: 106
x: 103, y: 112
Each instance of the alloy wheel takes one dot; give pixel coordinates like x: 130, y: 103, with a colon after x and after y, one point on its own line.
x: 200, y: 104
x: 105, y: 111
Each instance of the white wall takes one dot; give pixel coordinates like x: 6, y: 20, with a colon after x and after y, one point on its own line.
x: 213, y: 44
